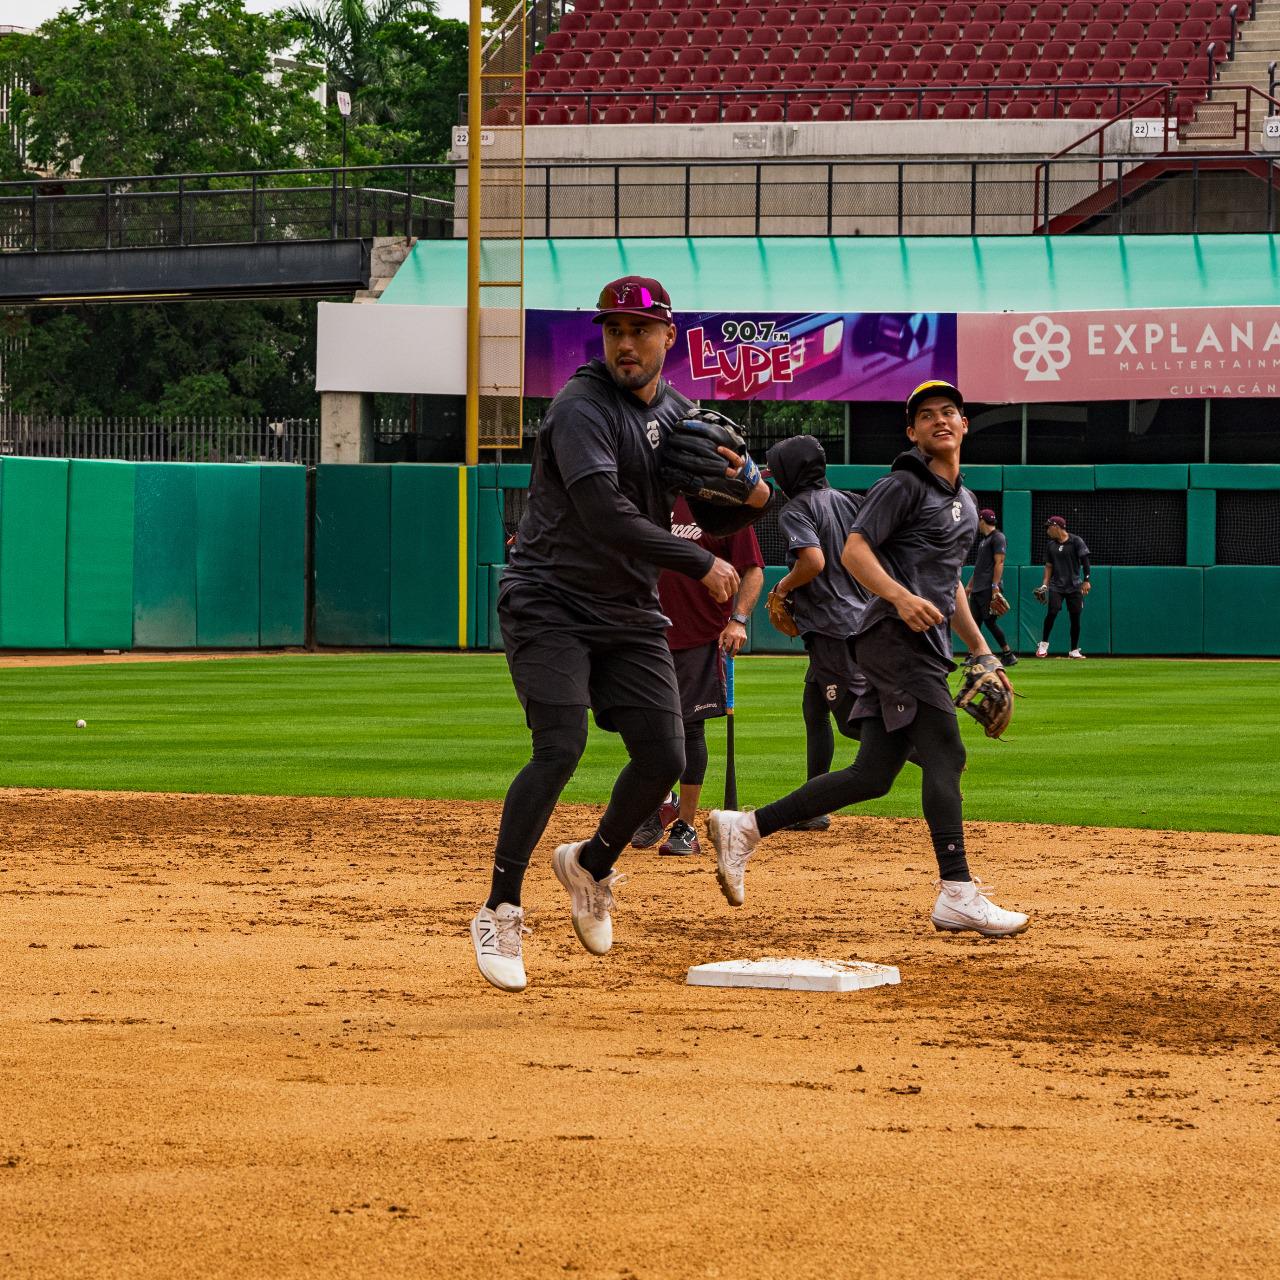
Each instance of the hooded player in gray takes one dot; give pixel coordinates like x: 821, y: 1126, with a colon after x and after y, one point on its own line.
x: 827, y: 602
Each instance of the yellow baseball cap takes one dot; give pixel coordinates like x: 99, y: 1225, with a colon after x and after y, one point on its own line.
x: 926, y: 390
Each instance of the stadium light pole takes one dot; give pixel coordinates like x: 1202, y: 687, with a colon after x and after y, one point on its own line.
x: 474, y: 48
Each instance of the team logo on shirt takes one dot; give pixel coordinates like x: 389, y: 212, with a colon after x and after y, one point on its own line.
x: 833, y: 692
x: 653, y: 430
x: 955, y: 511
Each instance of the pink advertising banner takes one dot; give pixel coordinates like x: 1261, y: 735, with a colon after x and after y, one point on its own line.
x: 1195, y: 353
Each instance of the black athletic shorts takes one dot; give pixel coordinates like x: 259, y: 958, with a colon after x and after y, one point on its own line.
x: 902, y: 669
x: 700, y: 675
x: 566, y: 659
x: 1074, y: 600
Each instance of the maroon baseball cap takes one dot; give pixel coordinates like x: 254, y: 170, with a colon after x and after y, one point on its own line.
x: 988, y: 515
x: 634, y: 296
x: 1058, y: 520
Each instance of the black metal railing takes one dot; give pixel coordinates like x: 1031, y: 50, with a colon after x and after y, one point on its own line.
x: 180, y: 210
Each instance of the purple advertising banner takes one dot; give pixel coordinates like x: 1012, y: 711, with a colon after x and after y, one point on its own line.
x: 729, y: 355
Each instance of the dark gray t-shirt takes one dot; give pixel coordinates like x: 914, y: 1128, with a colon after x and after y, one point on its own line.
x: 832, y: 603
x: 1063, y: 558
x: 591, y: 427
x: 920, y: 528
x: 984, y: 561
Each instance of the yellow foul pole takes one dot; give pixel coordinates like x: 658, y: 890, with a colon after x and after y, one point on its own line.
x: 475, y: 112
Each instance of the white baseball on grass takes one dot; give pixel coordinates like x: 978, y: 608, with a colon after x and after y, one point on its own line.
x: 80, y: 724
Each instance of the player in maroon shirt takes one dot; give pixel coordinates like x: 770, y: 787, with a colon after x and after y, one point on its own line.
x: 702, y: 632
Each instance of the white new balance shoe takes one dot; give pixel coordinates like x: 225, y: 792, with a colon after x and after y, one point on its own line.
x: 592, y: 899
x: 1042, y: 649
x: 961, y: 905
x: 1075, y: 653
x: 497, y: 936
x: 734, y: 836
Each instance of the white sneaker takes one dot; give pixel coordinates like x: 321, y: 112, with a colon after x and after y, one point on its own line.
x: 1042, y: 649
x: 734, y: 836
x: 592, y: 899
x: 497, y: 937
x: 961, y: 905
x: 1075, y: 653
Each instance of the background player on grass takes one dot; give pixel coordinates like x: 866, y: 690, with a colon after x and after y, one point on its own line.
x: 581, y: 624
x: 702, y: 632
x: 988, y: 575
x: 1066, y: 581
x: 906, y: 548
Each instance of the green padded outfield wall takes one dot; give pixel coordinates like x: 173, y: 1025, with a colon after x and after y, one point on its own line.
x: 282, y: 555
x: 227, y: 556
x: 33, y: 553
x: 386, y: 555
x: 100, y: 546
x: 164, y: 556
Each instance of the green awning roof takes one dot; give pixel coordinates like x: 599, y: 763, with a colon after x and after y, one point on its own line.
x: 921, y: 273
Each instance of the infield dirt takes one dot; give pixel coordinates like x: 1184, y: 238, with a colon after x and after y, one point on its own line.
x: 246, y: 1037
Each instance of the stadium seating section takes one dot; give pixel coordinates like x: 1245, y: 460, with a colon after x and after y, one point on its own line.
x: 708, y: 61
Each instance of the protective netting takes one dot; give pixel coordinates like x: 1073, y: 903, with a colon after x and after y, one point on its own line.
x: 1248, y: 529
x: 1120, y: 526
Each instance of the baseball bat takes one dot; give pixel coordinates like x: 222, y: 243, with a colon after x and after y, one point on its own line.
x: 730, y: 771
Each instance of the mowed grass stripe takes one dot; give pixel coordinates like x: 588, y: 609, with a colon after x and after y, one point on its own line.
x: 1135, y: 743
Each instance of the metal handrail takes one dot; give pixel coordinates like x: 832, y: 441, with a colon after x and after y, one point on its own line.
x: 1100, y: 133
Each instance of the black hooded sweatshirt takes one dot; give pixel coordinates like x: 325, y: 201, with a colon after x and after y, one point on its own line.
x: 818, y: 516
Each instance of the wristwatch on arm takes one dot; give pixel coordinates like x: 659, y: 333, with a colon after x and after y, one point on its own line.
x: 739, y: 618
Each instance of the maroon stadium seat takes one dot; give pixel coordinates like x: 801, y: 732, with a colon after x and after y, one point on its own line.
x: 1139, y: 69
x: 957, y: 111
x: 800, y: 112
x: 707, y: 77
x: 1120, y: 50
x: 678, y: 113
x: 573, y: 21
x: 900, y: 53
x: 807, y: 16
x: 1088, y: 50
x: 705, y: 39
x: 634, y: 59
x: 738, y: 113
x: 1056, y: 51
x: 988, y: 13
x: 895, y: 111
x: 933, y: 52
x: 752, y: 56
x: 1112, y: 11
x: 746, y: 17
x: 1204, y: 9
x: 617, y: 78
x: 958, y: 13
x: 770, y: 112
x: 916, y: 33
x: 1050, y: 13
x: 833, y: 111
x: 1018, y: 12
x: 1006, y: 32
x: 920, y: 72
x: 1042, y: 72
x: 1082, y: 111
x: 1173, y: 10
x: 927, y: 13
x: 1143, y: 10
x: 647, y: 78
x: 767, y: 75
x: 691, y: 58
x: 1040, y: 32
x: 976, y: 33
x: 1100, y: 31
x: 963, y: 51
x: 1020, y: 110
x: 1078, y: 11
x: 1163, y: 29
x: 1024, y: 51
x: 764, y: 36
x: 617, y: 115
x: 994, y: 52
x: 690, y: 20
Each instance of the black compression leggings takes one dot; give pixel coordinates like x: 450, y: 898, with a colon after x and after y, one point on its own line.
x: 820, y: 742
x: 655, y: 743
x: 1075, y: 606
x: 933, y: 738
x: 695, y: 753
x: 983, y: 617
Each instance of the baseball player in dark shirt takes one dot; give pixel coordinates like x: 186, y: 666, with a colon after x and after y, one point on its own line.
x: 906, y: 548
x: 1066, y: 581
x: 581, y: 624
x: 826, y: 601
x: 988, y: 571
x: 701, y: 633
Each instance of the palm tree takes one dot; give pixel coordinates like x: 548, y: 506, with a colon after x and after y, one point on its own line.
x: 348, y: 35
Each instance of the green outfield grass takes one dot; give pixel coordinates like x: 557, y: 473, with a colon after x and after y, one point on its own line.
x: 1137, y: 743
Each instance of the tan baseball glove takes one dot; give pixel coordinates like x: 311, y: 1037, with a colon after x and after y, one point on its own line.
x: 999, y: 605
x: 782, y: 614
x: 984, y: 695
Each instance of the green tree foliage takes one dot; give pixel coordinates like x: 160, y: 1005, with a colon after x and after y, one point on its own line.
x: 116, y: 87
x: 218, y: 358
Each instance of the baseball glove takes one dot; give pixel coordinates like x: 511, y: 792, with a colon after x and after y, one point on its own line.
x: 691, y: 463
x: 999, y: 605
x: 782, y: 614
x: 984, y: 695
x: 1041, y: 593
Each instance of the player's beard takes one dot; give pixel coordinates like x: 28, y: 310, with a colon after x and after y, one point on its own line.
x: 635, y: 376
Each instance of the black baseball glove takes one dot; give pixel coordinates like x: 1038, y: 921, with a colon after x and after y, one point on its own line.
x: 692, y: 464
x: 984, y: 695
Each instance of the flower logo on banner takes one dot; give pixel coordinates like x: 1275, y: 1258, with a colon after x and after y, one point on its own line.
x: 1040, y: 348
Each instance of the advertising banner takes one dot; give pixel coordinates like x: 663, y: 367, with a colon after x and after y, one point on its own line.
x: 729, y: 355
x: 1196, y: 353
